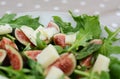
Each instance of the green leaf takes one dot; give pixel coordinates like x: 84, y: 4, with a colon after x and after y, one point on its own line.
x: 40, y: 43
x: 26, y: 20
x: 104, y: 75
x: 7, y: 18
x: 59, y: 49
x: 81, y: 40
x: 88, y: 27
x: 114, y: 68
x: 65, y: 27
x: 88, y: 50
x: 88, y: 23
x: 108, y: 48
x: 18, y: 22
x: 36, y: 69
x: 92, y: 75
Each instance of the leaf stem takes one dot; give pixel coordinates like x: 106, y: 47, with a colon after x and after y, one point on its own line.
x: 116, y: 32
x: 82, y: 73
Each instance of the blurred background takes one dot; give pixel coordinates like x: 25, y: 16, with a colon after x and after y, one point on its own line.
x: 109, y: 10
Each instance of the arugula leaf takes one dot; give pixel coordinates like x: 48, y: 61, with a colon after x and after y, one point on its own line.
x: 92, y: 75
x: 81, y: 40
x: 40, y: 43
x: 89, y: 49
x: 18, y: 22
x: 114, y: 68
x: 26, y: 20
x: 59, y: 49
x: 104, y: 75
x: 14, y: 74
x: 36, y: 69
x: 87, y: 23
x: 88, y: 27
x: 107, y: 48
x: 65, y: 27
x: 7, y: 18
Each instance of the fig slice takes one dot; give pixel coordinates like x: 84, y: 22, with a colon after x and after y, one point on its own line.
x: 64, y: 40
x: 29, y: 33
x: 66, y: 63
x: 21, y: 37
x: 53, y: 25
x: 7, y: 41
x: 87, y: 61
x: 59, y: 39
x: 15, y: 58
x: 3, y: 54
x: 32, y: 54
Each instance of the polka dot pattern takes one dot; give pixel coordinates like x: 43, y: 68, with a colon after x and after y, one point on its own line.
x: 64, y: 1
x: 56, y: 8
x: 82, y: 3
x: 102, y: 5
x: 109, y: 10
x: 37, y: 6
x: 19, y: 5
x: 3, y: 3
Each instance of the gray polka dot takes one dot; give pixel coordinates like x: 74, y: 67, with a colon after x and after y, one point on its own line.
x: 76, y: 10
x: 46, y: 0
x: 64, y: 1
x: 82, y: 3
x: 56, y: 8
x: 37, y: 6
x: 3, y: 3
x: 101, y: 5
x: 19, y: 5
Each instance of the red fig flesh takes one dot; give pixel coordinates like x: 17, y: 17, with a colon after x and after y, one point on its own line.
x: 66, y: 63
x: 59, y: 39
x: 6, y: 41
x: 32, y: 53
x: 21, y: 37
x: 53, y: 25
x: 15, y: 58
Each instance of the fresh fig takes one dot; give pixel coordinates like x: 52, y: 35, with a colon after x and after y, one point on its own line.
x: 64, y: 40
x: 29, y: 33
x: 87, y: 61
x: 2, y: 55
x: 15, y: 58
x: 6, y: 41
x: 21, y: 37
x: 59, y: 39
x: 32, y: 53
x: 53, y: 25
x: 66, y: 63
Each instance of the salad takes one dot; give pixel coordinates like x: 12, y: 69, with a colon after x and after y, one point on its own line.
x: 30, y: 50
